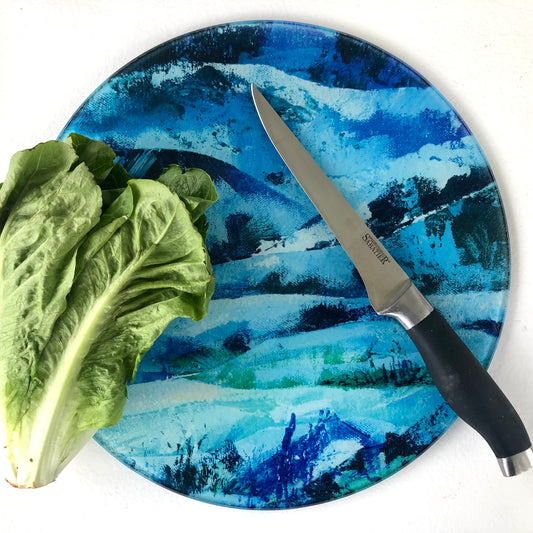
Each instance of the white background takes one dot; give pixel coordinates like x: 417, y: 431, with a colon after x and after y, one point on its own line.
x: 479, y: 54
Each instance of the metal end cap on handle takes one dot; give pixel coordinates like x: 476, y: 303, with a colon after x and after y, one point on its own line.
x: 516, y: 464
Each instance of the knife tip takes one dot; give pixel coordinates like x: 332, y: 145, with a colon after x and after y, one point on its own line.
x: 255, y: 93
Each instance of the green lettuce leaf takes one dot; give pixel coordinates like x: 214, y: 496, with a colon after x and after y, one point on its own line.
x: 98, y: 156
x: 194, y: 187
x: 100, y: 159
x: 84, y: 295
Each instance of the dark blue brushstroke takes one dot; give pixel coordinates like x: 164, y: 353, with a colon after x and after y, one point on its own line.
x: 429, y: 127
x: 289, y: 476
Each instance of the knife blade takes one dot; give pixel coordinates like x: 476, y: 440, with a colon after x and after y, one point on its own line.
x: 460, y: 378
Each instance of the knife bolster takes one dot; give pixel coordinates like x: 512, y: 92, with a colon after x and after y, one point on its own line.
x: 516, y: 464
x: 409, y: 308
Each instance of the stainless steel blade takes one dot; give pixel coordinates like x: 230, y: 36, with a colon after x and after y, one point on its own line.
x: 389, y: 289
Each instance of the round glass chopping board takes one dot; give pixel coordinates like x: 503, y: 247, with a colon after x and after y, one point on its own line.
x: 292, y: 391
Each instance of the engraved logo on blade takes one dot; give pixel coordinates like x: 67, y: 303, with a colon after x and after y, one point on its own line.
x: 376, y: 249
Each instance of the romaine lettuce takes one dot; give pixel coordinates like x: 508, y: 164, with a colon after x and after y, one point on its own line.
x: 85, y: 293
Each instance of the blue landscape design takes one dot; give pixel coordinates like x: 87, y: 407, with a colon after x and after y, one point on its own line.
x: 292, y: 391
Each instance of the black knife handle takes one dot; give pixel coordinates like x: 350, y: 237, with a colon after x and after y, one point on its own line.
x: 467, y: 387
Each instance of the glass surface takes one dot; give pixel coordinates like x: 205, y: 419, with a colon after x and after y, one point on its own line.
x: 292, y: 391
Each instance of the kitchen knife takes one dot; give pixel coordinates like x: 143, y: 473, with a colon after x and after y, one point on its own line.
x: 460, y: 378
